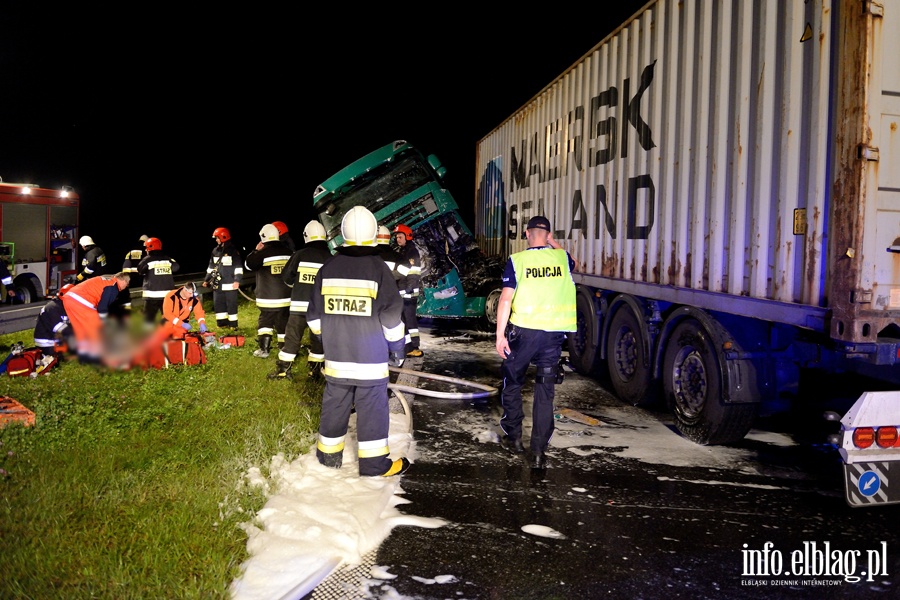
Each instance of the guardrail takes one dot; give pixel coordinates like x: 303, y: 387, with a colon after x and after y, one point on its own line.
x: 21, y: 317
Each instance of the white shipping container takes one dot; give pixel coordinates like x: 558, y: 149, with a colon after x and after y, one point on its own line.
x: 737, y: 156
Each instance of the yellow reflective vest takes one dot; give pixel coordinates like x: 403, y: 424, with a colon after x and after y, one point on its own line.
x: 545, y: 292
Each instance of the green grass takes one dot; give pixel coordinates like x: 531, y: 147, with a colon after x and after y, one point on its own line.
x: 131, y: 483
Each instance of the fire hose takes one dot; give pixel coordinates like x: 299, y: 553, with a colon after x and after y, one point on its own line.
x: 399, y: 388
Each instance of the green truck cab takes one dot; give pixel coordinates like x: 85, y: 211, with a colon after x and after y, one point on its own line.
x: 400, y: 184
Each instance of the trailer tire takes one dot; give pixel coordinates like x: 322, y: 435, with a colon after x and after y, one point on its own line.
x: 692, y: 381
x: 582, y: 351
x: 626, y: 356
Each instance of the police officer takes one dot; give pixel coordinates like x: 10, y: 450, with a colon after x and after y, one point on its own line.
x: 300, y: 274
x: 409, y: 268
x: 538, y: 304
x: 356, y: 308
x: 273, y: 296
x: 223, y: 275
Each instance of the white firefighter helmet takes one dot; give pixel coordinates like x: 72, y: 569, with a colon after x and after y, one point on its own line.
x: 85, y: 240
x: 384, y: 235
x: 359, y: 227
x: 313, y: 231
x: 268, y: 233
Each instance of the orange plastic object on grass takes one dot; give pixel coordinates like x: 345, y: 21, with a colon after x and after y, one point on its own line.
x: 11, y: 411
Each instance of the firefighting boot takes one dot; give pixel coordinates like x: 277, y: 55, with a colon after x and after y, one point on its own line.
x: 331, y: 460
x: 265, y: 344
x: 282, y: 370
x: 315, y: 371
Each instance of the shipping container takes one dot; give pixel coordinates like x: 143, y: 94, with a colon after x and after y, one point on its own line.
x: 727, y: 176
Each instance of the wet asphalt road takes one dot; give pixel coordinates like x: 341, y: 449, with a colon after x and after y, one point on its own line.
x: 628, y: 509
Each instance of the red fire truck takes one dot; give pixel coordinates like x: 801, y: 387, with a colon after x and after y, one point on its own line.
x: 38, y: 237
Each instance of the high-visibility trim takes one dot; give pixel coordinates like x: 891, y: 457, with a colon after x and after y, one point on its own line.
x: 81, y: 300
x: 373, y: 448
x: 155, y: 293
x: 315, y: 358
x: 349, y: 287
x: 273, y: 303
x: 360, y: 371
x: 330, y: 445
x: 315, y: 326
x: 299, y: 306
x: 392, y: 334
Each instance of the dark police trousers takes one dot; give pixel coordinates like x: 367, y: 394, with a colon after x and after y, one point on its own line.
x: 543, y: 348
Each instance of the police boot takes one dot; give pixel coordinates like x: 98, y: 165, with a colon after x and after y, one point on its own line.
x: 282, y: 370
x: 315, y: 371
x: 265, y: 344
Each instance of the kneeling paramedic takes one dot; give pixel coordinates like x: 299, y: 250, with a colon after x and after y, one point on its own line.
x: 356, y: 308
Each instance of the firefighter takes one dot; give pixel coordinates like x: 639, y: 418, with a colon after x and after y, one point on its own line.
x: 7, y: 280
x: 273, y: 296
x: 300, y: 274
x: 129, y: 265
x: 390, y: 257
x: 87, y: 305
x: 284, y: 236
x: 410, y: 270
x: 158, y: 269
x: 52, y: 330
x: 94, y: 261
x: 223, y: 275
x: 356, y: 308
x: 538, y: 304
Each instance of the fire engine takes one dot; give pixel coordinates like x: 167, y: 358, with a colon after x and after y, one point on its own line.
x: 38, y: 237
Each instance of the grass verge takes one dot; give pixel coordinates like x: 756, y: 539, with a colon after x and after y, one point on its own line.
x: 130, y: 484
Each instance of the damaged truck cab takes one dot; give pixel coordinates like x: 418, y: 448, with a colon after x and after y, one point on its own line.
x: 399, y: 184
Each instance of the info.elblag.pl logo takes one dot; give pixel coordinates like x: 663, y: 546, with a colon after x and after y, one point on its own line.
x: 811, y: 563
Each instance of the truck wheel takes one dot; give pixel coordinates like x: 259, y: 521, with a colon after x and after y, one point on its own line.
x: 488, y: 321
x: 629, y: 367
x: 582, y: 352
x: 693, y: 388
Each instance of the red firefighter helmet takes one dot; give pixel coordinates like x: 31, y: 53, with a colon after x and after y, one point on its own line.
x: 153, y: 244
x: 221, y: 234
x: 64, y: 290
x: 281, y: 227
x: 401, y: 228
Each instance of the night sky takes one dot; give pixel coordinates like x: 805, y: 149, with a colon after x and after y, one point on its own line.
x: 164, y: 121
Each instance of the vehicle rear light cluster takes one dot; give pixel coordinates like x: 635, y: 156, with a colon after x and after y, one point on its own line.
x: 883, y: 437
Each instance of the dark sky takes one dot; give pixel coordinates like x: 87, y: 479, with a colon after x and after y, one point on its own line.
x: 174, y: 123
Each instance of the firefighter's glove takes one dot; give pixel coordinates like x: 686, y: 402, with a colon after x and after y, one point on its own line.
x: 202, y: 327
x: 395, y: 359
x: 186, y: 326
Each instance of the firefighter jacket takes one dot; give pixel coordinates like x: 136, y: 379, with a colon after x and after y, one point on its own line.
x: 132, y: 258
x: 176, y: 310
x: 410, y: 270
x: 356, y: 310
x: 545, y: 291
x: 52, y: 324
x: 225, y: 268
x: 157, y: 269
x: 268, y: 264
x: 93, y: 263
x: 390, y: 258
x: 300, y: 272
x: 130, y: 265
x: 98, y: 293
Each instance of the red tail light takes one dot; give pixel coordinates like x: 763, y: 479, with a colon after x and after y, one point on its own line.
x: 886, y: 437
x: 863, y: 437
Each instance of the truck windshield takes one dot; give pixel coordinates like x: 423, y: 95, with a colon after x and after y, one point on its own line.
x: 374, y: 190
